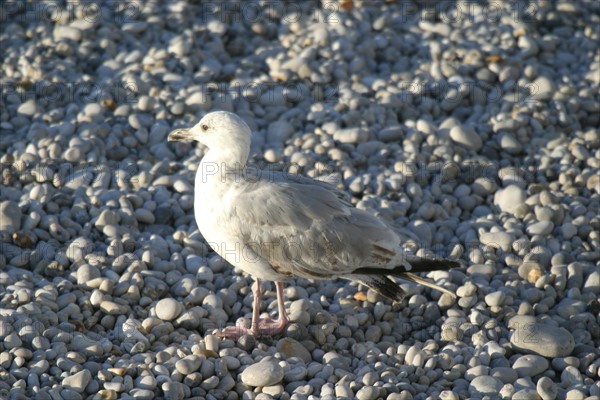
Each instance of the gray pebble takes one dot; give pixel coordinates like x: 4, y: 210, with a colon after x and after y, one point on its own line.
x: 168, y: 309
x: 571, y: 377
x: 10, y: 217
x: 144, y: 216
x: 86, y: 273
x: 485, y: 385
x: 28, y: 108
x: 540, y: 228
x: 543, y: 339
x: 293, y: 348
x: 546, y: 388
x: 495, y: 299
x: 175, y: 390
x: 368, y: 393
x: 78, y: 381
x: 66, y: 32
x: 266, y: 373
x: 530, y: 365
x: 543, y: 88
x: 466, y: 136
x: 350, y: 135
x: 509, y: 198
x: 110, y: 307
x: 497, y: 240
x: 188, y: 364
x: 12, y: 341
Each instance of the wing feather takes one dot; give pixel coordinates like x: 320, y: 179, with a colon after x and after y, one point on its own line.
x: 308, y: 228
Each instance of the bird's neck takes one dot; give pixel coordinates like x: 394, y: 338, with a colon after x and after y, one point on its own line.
x: 222, y: 165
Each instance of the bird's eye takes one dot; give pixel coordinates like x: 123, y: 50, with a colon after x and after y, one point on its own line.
x: 204, y: 127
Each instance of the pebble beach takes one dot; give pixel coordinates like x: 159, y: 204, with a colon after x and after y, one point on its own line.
x: 472, y: 128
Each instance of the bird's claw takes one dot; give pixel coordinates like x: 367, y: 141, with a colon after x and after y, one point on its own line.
x: 265, y: 327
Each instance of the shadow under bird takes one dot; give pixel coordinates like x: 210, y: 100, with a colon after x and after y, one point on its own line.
x: 275, y: 226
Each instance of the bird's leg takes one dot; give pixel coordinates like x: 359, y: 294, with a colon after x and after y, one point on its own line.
x: 260, y: 326
x: 270, y: 327
x: 237, y: 331
x: 257, y: 291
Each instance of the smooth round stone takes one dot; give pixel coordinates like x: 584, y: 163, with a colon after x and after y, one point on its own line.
x: 73, y: 154
x: 474, y: 372
x: 78, y: 381
x: 367, y: 393
x: 509, y: 143
x: 293, y: 348
x: 543, y: 88
x: 175, y: 390
x: 28, y: 108
x: 274, y: 391
x: 560, y: 363
x: 86, y: 273
x: 485, y: 385
x: 530, y: 271
x: 390, y: 133
x: 569, y: 307
x: 484, y: 186
x: 494, y: 349
x: 146, y: 382
x: 568, y: 230
x: 543, y: 339
x: 66, y: 33
x: 137, y: 393
x: 146, y: 103
x: 168, y: 309
x: 575, y: 394
x: 107, y: 217
x: 12, y: 341
x: 495, y: 299
x: 266, y: 373
x: 571, y: 376
x: 530, y: 365
x: 546, y: 388
x: 144, y: 216
x: 351, y: 135
x: 188, y: 364
x: 509, y: 198
x: 497, y: 240
x: 505, y: 374
x: 466, y: 290
x: 592, y: 283
x: 182, y: 186
x: 279, y: 131
x: 10, y: 217
x: 199, y: 101
x: 466, y: 136
x: 540, y: 228
x: 526, y: 394
x: 112, y: 308
x: 336, y: 360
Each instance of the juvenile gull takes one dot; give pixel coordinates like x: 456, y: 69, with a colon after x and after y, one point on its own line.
x: 274, y: 225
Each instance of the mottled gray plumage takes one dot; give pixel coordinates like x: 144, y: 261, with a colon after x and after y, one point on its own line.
x: 274, y: 225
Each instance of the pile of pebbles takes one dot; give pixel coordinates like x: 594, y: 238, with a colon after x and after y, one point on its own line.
x: 472, y: 125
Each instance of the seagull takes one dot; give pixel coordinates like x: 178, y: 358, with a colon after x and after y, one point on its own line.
x: 276, y: 226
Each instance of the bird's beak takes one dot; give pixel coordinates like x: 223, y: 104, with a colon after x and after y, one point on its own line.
x: 180, y: 134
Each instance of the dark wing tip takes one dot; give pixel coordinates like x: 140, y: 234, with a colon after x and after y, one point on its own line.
x: 382, y: 285
x: 427, y: 264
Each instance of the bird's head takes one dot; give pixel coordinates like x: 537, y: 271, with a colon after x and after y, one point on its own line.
x: 216, y: 130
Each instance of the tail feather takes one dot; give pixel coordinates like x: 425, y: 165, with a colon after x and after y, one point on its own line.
x: 381, y: 284
x: 421, y: 281
x: 377, y: 278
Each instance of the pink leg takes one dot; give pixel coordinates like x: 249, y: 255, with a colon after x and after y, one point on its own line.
x: 270, y: 327
x: 260, y: 326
